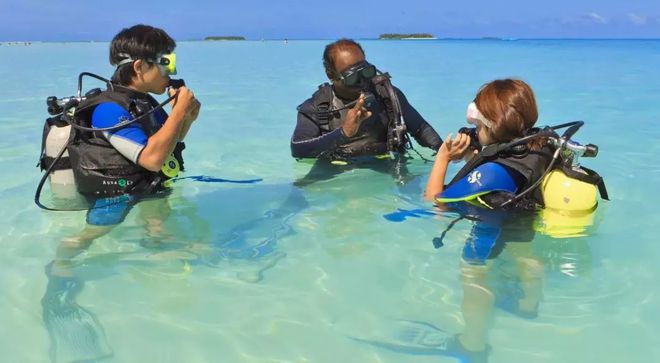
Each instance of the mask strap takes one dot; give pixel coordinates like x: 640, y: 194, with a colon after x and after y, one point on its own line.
x: 127, y: 59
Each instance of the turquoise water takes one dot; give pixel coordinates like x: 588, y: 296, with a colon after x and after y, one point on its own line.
x: 273, y: 272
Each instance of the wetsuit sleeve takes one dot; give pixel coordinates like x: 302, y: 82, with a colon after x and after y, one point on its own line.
x: 307, y: 141
x: 129, y: 140
x: 485, y: 179
x: 423, y: 133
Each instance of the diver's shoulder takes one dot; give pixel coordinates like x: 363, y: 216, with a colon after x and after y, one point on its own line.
x: 109, y: 106
x: 398, y: 91
x: 322, y: 95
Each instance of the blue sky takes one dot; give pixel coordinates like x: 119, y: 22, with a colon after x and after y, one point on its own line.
x: 51, y: 20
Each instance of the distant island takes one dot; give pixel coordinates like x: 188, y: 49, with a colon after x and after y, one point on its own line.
x: 232, y: 37
x: 406, y: 36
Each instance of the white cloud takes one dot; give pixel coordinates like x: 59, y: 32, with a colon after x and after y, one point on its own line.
x: 637, y: 19
x: 595, y: 18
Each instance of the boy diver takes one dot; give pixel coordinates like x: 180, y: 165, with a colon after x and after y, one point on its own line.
x: 513, y: 170
x: 124, y: 146
x: 122, y: 150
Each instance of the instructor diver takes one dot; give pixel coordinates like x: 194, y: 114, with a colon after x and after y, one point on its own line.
x: 359, y: 114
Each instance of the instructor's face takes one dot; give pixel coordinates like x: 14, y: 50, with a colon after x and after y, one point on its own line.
x: 344, y: 59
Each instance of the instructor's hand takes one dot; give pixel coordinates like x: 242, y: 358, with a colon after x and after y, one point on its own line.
x: 355, y: 116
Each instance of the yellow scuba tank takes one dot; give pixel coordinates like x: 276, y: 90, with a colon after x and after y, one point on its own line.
x: 562, y: 192
x: 570, y: 191
x: 570, y: 205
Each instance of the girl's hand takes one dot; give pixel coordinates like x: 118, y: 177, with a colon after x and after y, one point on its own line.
x: 454, y: 149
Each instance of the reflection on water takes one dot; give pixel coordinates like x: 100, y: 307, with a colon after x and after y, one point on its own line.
x: 245, y: 244
x: 503, y: 264
x: 332, y: 267
x: 394, y: 165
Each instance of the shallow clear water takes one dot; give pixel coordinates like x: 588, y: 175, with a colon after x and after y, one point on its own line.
x: 272, y: 272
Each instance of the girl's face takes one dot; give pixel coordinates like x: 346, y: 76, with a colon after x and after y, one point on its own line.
x: 483, y: 134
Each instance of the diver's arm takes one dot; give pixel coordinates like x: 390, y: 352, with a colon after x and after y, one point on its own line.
x: 436, y: 183
x: 190, y: 117
x: 307, y: 141
x: 423, y: 133
x: 161, y: 144
x: 451, y: 149
x: 189, y: 120
x: 129, y: 141
x: 184, y: 129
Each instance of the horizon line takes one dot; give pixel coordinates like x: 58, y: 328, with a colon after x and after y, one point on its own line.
x: 486, y: 38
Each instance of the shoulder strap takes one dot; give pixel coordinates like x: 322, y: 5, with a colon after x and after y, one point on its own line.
x: 591, y: 177
x: 316, y: 107
x: 83, y: 115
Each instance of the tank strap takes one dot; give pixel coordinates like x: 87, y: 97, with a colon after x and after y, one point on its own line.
x: 591, y: 177
x: 62, y: 163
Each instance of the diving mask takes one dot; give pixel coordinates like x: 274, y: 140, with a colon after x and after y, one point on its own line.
x: 166, y: 62
x: 356, y: 73
x: 474, y: 116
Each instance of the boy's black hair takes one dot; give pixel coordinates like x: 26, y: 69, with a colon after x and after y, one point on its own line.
x: 139, y: 42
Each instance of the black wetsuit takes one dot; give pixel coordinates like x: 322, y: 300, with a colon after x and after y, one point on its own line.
x: 321, y: 135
